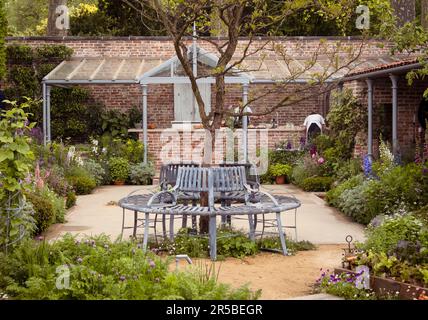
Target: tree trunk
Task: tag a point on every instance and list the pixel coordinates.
(405, 11)
(57, 18)
(424, 14)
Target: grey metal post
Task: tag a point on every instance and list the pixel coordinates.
(245, 123)
(394, 80)
(45, 130)
(48, 113)
(145, 135)
(370, 118)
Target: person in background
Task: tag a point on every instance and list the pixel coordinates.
(314, 125)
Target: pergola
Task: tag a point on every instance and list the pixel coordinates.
(391, 70)
(143, 71)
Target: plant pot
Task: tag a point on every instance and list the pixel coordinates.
(280, 180)
(138, 125)
(151, 126)
(119, 183)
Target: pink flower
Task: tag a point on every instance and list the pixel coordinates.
(321, 160)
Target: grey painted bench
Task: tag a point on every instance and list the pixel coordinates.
(212, 181)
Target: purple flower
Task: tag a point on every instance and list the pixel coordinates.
(367, 166)
(79, 260)
(152, 264)
(289, 146)
(122, 278)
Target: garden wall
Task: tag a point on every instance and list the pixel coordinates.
(180, 145)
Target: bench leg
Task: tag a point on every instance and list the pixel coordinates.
(146, 231)
(134, 233)
(164, 225)
(281, 234)
(252, 225)
(184, 223)
(213, 237)
(171, 227)
(123, 224)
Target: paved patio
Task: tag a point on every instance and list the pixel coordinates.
(316, 221)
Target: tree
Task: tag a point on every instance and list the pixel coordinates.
(53, 28)
(424, 14)
(3, 32)
(243, 17)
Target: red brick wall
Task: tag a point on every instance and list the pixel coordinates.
(163, 46)
(187, 146)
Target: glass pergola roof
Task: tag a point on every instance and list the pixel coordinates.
(101, 70)
(110, 70)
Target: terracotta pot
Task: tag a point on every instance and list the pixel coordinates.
(280, 180)
(119, 183)
(151, 126)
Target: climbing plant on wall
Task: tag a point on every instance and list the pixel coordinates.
(3, 30)
(74, 115)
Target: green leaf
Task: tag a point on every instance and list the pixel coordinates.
(6, 155)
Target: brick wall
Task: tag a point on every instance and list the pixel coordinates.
(179, 145)
(163, 46)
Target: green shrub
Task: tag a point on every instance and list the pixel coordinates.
(58, 203)
(317, 184)
(333, 196)
(348, 169)
(278, 170)
(119, 169)
(96, 170)
(306, 168)
(353, 202)
(134, 151)
(323, 142)
(100, 269)
(386, 232)
(70, 200)
(81, 180)
(142, 174)
(82, 185)
(44, 214)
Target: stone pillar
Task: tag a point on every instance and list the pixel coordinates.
(405, 10)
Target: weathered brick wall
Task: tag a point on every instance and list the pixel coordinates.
(409, 98)
(161, 102)
(179, 145)
(163, 46)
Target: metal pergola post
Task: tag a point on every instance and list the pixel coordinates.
(45, 129)
(145, 134)
(245, 122)
(370, 118)
(394, 80)
(48, 113)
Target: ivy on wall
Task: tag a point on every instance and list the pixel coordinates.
(3, 31)
(74, 114)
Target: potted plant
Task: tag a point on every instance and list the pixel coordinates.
(119, 170)
(280, 172)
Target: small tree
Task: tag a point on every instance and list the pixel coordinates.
(248, 18)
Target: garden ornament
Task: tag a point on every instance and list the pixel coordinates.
(349, 255)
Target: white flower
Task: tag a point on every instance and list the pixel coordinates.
(104, 150)
(79, 161)
(95, 142)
